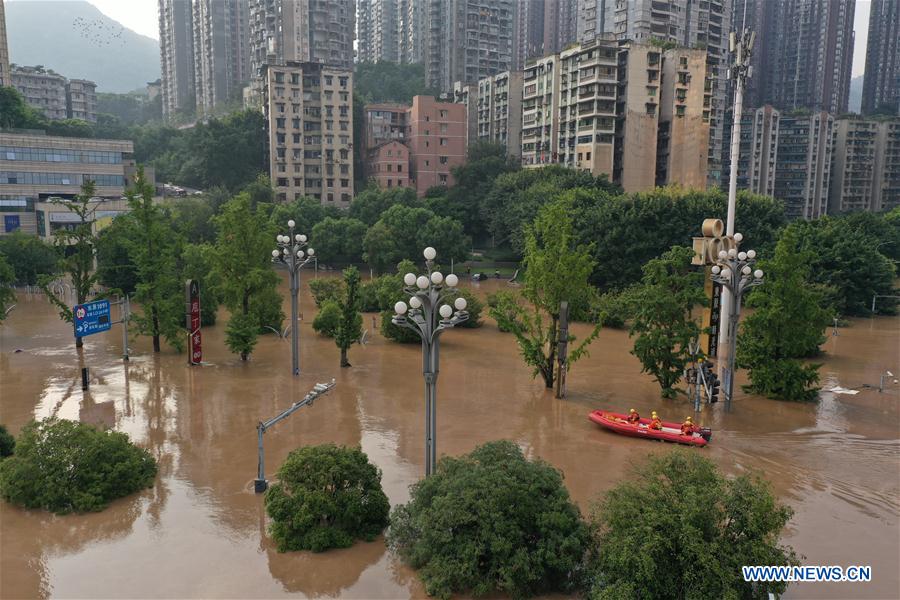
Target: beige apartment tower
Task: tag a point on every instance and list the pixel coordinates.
(176, 50)
(587, 105)
(639, 84)
(682, 144)
(309, 111)
(499, 111)
(540, 111)
(865, 173)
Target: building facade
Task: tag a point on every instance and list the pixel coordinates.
(467, 95)
(4, 50)
(378, 30)
(637, 116)
(467, 40)
(758, 150)
(388, 165)
(498, 111)
(540, 111)
(35, 169)
(319, 31)
(309, 109)
(176, 51)
(43, 89)
(412, 30)
(803, 163)
(385, 122)
(221, 52)
(865, 174)
(810, 55)
(436, 140)
(560, 24)
(588, 81)
(81, 100)
(881, 86)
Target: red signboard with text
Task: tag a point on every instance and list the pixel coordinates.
(195, 346)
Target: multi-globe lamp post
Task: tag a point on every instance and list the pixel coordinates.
(429, 313)
(293, 252)
(734, 271)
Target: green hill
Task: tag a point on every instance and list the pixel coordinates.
(78, 41)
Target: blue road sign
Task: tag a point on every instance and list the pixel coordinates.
(91, 318)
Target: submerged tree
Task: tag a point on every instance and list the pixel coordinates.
(557, 270)
(669, 291)
(349, 327)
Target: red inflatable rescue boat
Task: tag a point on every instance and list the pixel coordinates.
(671, 432)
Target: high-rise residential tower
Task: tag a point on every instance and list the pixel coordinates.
(757, 159)
(4, 49)
(176, 51)
(810, 54)
(378, 30)
(803, 164)
(320, 31)
(881, 85)
(221, 51)
(865, 174)
(688, 23)
(543, 27)
(412, 30)
(467, 40)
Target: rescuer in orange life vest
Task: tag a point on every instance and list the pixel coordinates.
(687, 428)
(655, 421)
(633, 417)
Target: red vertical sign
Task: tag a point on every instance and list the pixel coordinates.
(192, 297)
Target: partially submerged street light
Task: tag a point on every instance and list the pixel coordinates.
(429, 314)
(293, 255)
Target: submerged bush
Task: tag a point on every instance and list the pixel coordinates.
(66, 466)
(7, 443)
(491, 521)
(326, 497)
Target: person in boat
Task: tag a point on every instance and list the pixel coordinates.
(687, 428)
(655, 421)
(633, 417)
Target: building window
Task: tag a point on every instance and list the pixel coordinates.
(443, 178)
(443, 128)
(345, 182)
(329, 183)
(295, 78)
(282, 182)
(399, 168)
(389, 183)
(443, 160)
(443, 114)
(296, 138)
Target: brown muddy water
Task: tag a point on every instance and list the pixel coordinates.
(200, 530)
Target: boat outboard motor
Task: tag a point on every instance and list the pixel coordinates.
(706, 433)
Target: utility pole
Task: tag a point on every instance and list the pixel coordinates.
(742, 49)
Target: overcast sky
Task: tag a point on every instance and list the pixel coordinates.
(141, 16)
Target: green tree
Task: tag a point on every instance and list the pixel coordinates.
(242, 265)
(340, 241)
(115, 269)
(326, 289)
(198, 262)
(328, 319)
(683, 530)
(7, 443)
(349, 327)
(491, 521)
(193, 219)
(669, 291)
(403, 232)
(326, 497)
(305, 211)
(372, 202)
(79, 244)
(154, 248)
(66, 466)
(29, 257)
(787, 323)
(556, 270)
(7, 293)
(15, 113)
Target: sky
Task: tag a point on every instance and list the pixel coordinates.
(141, 16)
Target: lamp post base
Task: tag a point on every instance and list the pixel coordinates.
(260, 485)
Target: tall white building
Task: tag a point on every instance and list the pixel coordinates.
(221, 52)
(176, 52)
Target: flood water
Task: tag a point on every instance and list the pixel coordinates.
(200, 530)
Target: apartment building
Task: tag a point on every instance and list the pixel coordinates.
(308, 109)
(283, 31)
(43, 89)
(388, 164)
(467, 95)
(540, 111)
(683, 140)
(221, 52)
(587, 105)
(758, 150)
(4, 50)
(881, 85)
(498, 111)
(865, 174)
(36, 168)
(176, 51)
(467, 40)
(560, 24)
(81, 100)
(437, 141)
(385, 122)
(803, 163)
(637, 116)
(378, 30)
(412, 34)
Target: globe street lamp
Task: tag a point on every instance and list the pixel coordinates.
(734, 271)
(429, 313)
(291, 253)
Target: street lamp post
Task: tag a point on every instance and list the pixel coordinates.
(734, 271)
(429, 314)
(291, 253)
